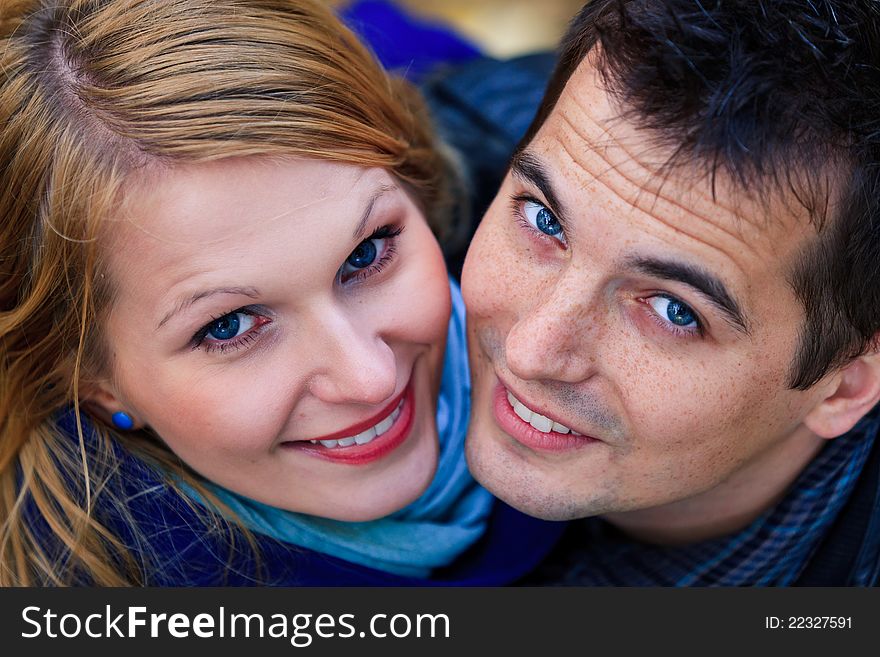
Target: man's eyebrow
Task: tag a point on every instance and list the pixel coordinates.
(361, 227)
(186, 302)
(709, 285)
(530, 169)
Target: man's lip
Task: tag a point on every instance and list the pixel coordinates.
(355, 429)
(537, 409)
(527, 435)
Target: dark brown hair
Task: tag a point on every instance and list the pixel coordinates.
(781, 95)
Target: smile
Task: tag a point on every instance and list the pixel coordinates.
(538, 421)
(534, 430)
(368, 440)
(368, 435)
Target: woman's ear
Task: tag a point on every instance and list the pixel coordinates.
(856, 392)
(102, 401)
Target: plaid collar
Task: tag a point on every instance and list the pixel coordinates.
(772, 551)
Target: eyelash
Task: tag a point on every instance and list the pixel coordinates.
(199, 340)
(678, 331)
(516, 205)
(390, 233)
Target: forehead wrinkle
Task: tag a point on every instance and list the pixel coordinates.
(630, 156)
(725, 252)
(645, 186)
(580, 103)
(247, 223)
(136, 189)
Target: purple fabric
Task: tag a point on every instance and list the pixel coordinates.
(406, 44)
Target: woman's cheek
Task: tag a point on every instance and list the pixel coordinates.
(420, 302)
(439, 275)
(217, 414)
(431, 308)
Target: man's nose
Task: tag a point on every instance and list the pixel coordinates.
(552, 339)
(354, 364)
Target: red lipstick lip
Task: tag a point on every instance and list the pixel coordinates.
(365, 424)
(375, 449)
(525, 434)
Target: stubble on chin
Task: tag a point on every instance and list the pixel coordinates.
(524, 487)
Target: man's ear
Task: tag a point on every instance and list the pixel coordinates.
(856, 393)
(102, 401)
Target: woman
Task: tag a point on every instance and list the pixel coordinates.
(217, 244)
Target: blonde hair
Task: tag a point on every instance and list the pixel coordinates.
(93, 92)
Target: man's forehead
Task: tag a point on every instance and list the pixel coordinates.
(593, 150)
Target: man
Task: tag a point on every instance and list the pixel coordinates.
(674, 300)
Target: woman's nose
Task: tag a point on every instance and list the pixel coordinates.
(356, 365)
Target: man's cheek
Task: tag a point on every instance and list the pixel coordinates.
(485, 289)
(484, 254)
(689, 422)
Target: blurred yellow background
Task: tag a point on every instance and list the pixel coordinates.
(502, 28)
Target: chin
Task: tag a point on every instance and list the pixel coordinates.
(393, 493)
(517, 484)
(361, 515)
(382, 508)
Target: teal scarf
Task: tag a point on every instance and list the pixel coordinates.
(432, 531)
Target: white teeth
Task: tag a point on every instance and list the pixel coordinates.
(364, 436)
(541, 423)
(383, 426)
(314, 442)
(524, 413)
(538, 421)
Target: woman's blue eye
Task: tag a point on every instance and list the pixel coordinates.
(674, 311)
(230, 326)
(363, 256)
(371, 255)
(541, 218)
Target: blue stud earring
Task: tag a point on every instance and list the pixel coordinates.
(122, 420)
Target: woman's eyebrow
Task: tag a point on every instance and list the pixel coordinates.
(360, 229)
(186, 302)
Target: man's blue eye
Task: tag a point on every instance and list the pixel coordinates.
(230, 326)
(679, 314)
(363, 256)
(541, 218)
(674, 311)
(547, 222)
